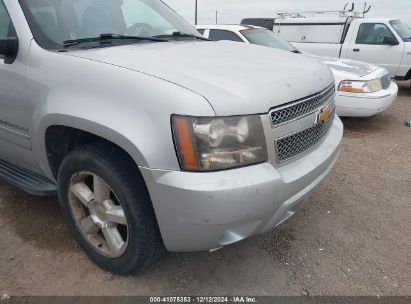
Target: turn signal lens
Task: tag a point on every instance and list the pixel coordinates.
(184, 143)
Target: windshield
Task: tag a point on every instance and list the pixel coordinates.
(54, 21)
(267, 38)
(403, 30)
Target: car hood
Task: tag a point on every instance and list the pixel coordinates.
(235, 78)
(356, 68)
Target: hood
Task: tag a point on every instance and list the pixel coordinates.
(235, 78)
(356, 68)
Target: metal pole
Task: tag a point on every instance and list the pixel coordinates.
(196, 13)
(216, 17)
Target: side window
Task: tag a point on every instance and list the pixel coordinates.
(201, 31)
(218, 35)
(373, 33)
(6, 26)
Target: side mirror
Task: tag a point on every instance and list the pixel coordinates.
(389, 40)
(9, 48)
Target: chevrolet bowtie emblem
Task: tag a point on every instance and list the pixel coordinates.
(324, 114)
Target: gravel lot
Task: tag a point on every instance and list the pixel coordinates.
(352, 237)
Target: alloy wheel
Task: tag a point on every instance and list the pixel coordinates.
(98, 214)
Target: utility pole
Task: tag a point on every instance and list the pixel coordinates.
(196, 13)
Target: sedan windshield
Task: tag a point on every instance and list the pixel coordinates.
(58, 23)
(267, 38)
(403, 30)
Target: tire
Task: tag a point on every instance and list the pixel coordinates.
(140, 243)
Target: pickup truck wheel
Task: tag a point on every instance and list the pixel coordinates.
(108, 209)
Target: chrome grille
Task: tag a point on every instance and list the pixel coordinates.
(301, 107)
(385, 81)
(295, 144)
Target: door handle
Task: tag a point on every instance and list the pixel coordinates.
(356, 50)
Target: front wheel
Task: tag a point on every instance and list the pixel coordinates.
(107, 208)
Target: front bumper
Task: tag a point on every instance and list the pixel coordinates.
(206, 211)
(365, 105)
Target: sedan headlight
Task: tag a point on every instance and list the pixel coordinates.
(360, 86)
(217, 143)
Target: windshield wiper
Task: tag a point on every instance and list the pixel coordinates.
(182, 35)
(117, 36)
(295, 51)
(108, 37)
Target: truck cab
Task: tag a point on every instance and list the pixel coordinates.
(372, 39)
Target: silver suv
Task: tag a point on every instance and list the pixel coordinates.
(151, 135)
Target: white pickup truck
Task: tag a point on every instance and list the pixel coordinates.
(381, 41)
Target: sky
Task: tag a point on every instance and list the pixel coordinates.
(232, 11)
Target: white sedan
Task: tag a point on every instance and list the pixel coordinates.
(363, 89)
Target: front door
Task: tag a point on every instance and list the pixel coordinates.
(15, 117)
(371, 45)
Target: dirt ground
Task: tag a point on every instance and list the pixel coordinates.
(352, 238)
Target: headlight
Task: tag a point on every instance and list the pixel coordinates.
(360, 86)
(217, 143)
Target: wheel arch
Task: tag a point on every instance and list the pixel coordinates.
(60, 134)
